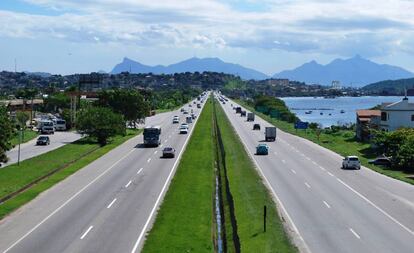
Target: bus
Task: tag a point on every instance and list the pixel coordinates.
(152, 136)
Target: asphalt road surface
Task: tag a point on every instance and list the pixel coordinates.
(326, 208)
(29, 149)
(108, 206)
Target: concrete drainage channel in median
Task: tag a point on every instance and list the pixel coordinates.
(226, 239)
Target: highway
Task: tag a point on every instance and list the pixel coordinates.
(108, 206)
(29, 149)
(328, 209)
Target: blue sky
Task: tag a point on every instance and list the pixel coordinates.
(79, 36)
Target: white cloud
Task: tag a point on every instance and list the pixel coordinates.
(341, 27)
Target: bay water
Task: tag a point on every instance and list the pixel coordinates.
(327, 111)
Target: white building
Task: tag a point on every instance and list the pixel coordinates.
(397, 115)
(336, 85)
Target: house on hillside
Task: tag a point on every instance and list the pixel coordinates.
(365, 121)
(397, 115)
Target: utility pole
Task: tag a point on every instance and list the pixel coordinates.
(15, 65)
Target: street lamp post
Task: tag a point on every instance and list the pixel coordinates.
(20, 141)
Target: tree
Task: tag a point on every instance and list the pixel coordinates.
(6, 133)
(25, 94)
(22, 118)
(100, 123)
(405, 155)
(130, 103)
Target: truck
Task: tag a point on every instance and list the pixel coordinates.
(152, 136)
(250, 116)
(238, 109)
(60, 125)
(270, 133)
(243, 114)
(46, 127)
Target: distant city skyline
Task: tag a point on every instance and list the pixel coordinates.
(72, 36)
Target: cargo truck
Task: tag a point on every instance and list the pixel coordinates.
(270, 133)
(238, 109)
(152, 136)
(243, 114)
(250, 116)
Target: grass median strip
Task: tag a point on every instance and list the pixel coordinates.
(70, 158)
(249, 196)
(184, 222)
(342, 142)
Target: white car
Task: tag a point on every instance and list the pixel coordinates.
(176, 120)
(351, 162)
(184, 125)
(183, 130)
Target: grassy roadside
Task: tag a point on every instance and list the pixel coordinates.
(27, 136)
(342, 142)
(249, 196)
(72, 157)
(184, 221)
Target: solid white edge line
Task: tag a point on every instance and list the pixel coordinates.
(86, 232)
(376, 207)
(279, 202)
(355, 234)
(67, 201)
(126, 186)
(326, 204)
(330, 174)
(157, 202)
(110, 204)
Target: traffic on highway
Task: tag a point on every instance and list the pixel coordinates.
(109, 205)
(328, 205)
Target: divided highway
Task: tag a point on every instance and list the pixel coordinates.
(106, 207)
(329, 209)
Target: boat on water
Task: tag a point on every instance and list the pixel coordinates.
(308, 112)
(321, 113)
(342, 111)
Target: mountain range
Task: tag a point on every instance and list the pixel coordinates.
(191, 65)
(355, 71)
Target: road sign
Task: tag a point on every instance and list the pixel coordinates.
(301, 125)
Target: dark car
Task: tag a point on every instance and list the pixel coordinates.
(256, 127)
(168, 152)
(383, 161)
(43, 140)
